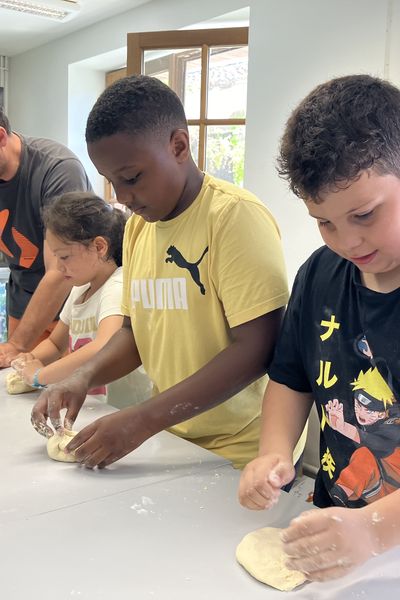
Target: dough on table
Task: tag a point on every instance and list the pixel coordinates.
(56, 445)
(261, 554)
(16, 385)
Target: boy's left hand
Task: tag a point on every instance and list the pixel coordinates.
(328, 543)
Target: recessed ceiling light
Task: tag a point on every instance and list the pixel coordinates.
(58, 10)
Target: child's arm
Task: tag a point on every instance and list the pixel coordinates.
(284, 415)
(117, 358)
(54, 346)
(244, 360)
(44, 353)
(56, 371)
(329, 543)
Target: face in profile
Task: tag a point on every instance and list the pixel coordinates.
(148, 173)
(77, 262)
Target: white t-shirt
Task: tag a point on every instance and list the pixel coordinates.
(83, 320)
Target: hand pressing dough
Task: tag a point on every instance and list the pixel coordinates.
(56, 445)
(261, 554)
(16, 385)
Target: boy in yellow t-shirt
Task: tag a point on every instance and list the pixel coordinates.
(204, 289)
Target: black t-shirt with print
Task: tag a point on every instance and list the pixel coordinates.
(340, 342)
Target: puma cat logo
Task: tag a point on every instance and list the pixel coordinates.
(176, 257)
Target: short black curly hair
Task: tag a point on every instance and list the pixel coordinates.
(343, 127)
(134, 105)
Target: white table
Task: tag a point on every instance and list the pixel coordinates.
(162, 523)
(27, 471)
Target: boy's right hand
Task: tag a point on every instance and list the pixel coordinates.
(70, 393)
(262, 479)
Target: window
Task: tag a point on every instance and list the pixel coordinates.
(207, 68)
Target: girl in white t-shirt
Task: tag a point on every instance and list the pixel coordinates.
(85, 234)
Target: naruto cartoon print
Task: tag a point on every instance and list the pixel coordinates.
(373, 470)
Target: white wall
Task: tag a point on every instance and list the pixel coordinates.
(294, 44)
(39, 78)
(84, 87)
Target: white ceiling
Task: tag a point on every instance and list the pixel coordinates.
(20, 32)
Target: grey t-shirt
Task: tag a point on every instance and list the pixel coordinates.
(47, 169)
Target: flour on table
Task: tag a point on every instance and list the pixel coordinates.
(16, 385)
(261, 554)
(56, 445)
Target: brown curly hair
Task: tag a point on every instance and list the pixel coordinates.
(343, 127)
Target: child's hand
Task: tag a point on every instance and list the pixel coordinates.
(110, 438)
(19, 363)
(328, 543)
(262, 479)
(30, 369)
(70, 393)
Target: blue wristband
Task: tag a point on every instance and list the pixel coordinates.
(35, 380)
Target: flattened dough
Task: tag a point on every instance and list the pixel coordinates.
(16, 385)
(56, 445)
(261, 554)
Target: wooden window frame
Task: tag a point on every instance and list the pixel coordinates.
(138, 43)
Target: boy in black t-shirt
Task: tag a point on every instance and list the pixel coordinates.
(339, 343)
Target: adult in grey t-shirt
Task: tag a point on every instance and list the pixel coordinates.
(32, 172)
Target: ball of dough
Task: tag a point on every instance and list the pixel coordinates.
(16, 385)
(261, 554)
(56, 445)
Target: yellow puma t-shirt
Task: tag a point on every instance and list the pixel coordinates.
(187, 281)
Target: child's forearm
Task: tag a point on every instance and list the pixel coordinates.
(227, 373)
(284, 416)
(47, 352)
(62, 368)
